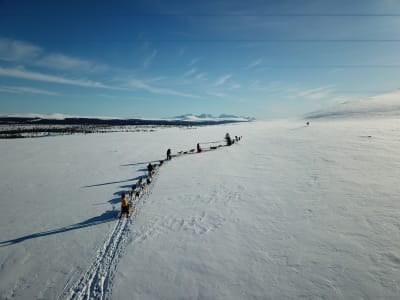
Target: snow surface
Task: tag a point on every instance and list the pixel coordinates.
(291, 211)
(382, 105)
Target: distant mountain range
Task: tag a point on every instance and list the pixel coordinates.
(210, 117)
(187, 119)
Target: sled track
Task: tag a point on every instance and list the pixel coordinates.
(97, 281)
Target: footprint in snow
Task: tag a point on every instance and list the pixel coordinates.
(197, 225)
(394, 259)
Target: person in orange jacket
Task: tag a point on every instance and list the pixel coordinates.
(124, 205)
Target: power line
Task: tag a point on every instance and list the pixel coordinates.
(329, 66)
(362, 92)
(264, 67)
(395, 40)
(208, 14)
(277, 40)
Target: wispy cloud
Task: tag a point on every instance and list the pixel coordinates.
(221, 80)
(193, 61)
(273, 87)
(190, 72)
(156, 79)
(25, 90)
(13, 50)
(315, 93)
(216, 94)
(292, 91)
(36, 76)
(63, 62)
(150, 58)
(201, 76)
(140, 84)
(254, 64)
(27, 53)
(235, 86)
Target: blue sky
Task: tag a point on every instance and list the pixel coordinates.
(267, 59)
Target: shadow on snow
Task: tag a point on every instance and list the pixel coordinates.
(140, 163)
(111, 182)
(127, 180)
(108, 216)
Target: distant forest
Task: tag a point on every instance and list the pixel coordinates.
(15, 127)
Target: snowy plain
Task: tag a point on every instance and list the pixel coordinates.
(291, 211)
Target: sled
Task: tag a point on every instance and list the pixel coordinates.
(131, 209)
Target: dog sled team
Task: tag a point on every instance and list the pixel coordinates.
(127, 206)
(230, 141)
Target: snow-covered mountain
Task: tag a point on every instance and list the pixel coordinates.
(183, 118)
(210, 117)
(380, 105)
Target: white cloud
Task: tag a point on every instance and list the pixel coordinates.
(36, 76)
(27, 53)
(216, 94)
(292, 91)
(254, 64)
(235, 86)
(273, 87)
(140, 84)
(156, 79)
(190, 72)
(13, 50)
(150, 58)
(193, 61)
(314, 94)
(201, 76)
(221, 80)
(25, 90)
(63, 62)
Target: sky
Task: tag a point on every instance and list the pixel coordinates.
(264, 59)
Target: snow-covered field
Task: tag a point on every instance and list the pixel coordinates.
(289, 212)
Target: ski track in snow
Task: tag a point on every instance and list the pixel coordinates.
(97, 281)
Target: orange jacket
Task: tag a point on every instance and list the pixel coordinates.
(124, 201)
